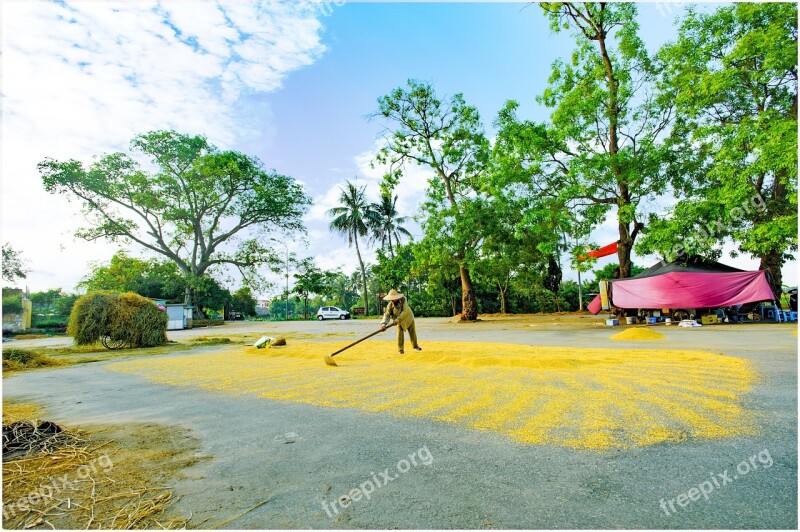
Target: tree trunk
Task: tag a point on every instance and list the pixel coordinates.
(188, 299)
(502, 298)
(625, 244)
(553, 280)
(771, 263)
(469, 307)
(363, 275)
(624, 249)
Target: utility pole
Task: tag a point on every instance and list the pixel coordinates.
(286, 307)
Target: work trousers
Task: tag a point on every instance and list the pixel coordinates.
(412, 334)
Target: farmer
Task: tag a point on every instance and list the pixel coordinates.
(398, 312)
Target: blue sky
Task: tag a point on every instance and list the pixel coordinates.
(288, 82)
(489, 52)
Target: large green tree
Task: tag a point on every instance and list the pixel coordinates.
(154, 279)
(242, 301)
(601, 150)
(446, 137)
(733, 76)
(350, 219)
(338, 290)
(122, 273)
(146, 277)
(394, 271)
(515, 241)
(200, 207)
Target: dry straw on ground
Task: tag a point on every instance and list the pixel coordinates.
(69, 479)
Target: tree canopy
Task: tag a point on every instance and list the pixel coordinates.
(14, 266)
(243, 302)
(201, 207)
(600, 149)
(309, 280)
(385, 223)
(154, 279)
(446, 137)
(733, 76)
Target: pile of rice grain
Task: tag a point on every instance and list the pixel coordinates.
(638, 334)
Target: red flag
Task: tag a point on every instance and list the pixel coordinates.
(604, 251)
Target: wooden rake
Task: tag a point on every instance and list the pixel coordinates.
(329, 358)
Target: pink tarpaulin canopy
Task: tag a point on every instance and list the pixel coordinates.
(691, 290)
(595, 306)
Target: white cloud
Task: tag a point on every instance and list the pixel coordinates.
(411, 190)
(83, 78)
(330, 198)
(331, 251)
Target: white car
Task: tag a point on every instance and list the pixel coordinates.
(332, 313)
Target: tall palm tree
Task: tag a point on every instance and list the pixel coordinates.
(385, 223)
(350, 220)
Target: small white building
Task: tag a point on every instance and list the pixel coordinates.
(179, 316)
(262, 307)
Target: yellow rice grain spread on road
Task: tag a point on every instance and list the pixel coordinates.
(639, 334)
(580, 398)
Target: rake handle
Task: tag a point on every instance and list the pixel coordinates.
(361, 340)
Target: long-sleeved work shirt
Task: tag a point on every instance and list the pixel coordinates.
(401, 313)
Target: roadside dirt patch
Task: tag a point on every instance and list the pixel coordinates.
(92, 477)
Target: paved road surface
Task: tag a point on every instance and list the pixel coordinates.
(475, 479)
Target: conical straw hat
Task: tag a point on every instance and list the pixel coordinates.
(393, 295)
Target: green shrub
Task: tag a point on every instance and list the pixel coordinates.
(117, 320)
(43, 322)
(12, 305)
(206, 323)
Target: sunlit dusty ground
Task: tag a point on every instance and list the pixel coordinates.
(573, 397)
